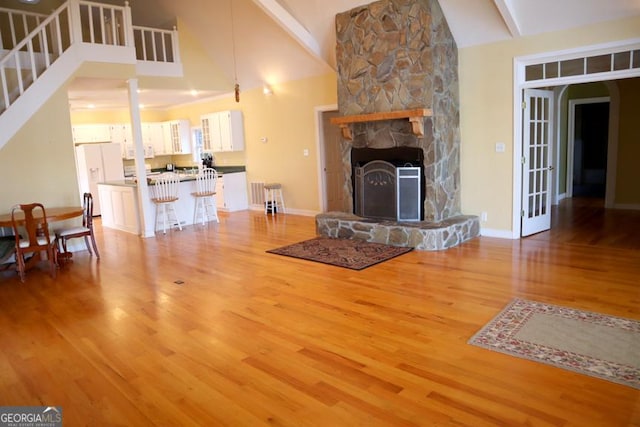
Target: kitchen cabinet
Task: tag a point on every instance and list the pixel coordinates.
(177, 136)
(91, 133)
(119, 207)
(153, 136)
(222, 131)
(122, 134)
(130, 151)
(231, 192)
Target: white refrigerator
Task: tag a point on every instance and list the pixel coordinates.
(98, 163)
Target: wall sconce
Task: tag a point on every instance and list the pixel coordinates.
(266, 89)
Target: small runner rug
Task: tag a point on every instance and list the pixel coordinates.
(593, 344)
(349, 253)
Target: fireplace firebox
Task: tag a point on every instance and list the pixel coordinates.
(388, 183)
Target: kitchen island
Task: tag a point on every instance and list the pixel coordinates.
(121, 207)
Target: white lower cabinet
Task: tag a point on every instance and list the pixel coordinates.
(119, 207)
(231, 192)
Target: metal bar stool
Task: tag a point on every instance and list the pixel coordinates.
(273, 199)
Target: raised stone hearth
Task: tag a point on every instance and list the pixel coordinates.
(423, 235)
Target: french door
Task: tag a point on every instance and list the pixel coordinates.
(536, 161)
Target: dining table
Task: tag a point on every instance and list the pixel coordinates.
(53, 214)
(59, 213)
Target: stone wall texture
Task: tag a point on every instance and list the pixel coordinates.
(398, 55)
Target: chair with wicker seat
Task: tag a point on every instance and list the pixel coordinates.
(31, 232)
(85, 230)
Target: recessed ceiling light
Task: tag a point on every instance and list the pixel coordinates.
(194, 92)
(29, 1)
(91, 106)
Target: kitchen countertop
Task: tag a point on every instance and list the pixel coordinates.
(132, 182)
(220, 169)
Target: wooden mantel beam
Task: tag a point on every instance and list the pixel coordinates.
(415, 117)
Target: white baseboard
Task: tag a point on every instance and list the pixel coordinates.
(501, 234)
(302, 212)
(629, 206)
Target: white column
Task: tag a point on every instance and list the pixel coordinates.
(145, 215)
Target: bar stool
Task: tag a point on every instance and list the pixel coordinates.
(273, 200)
(165, 195)
(205, 196)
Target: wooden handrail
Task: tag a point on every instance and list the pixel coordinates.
(415, 117)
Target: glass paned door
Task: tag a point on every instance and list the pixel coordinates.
(537, 169)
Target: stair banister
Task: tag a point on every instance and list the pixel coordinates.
(15, 54)
(58, 44)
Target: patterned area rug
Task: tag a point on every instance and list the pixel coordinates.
(589, 343)
(349, 253)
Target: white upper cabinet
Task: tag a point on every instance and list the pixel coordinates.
(153, 136)
(91, 133)
(177, 135)
(158, 138)
(223, 131)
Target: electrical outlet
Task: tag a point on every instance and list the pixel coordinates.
(483, 217)
(305, 152)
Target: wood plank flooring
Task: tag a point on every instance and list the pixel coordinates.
(202, 327)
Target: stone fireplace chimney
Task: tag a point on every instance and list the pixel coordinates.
(398, 56)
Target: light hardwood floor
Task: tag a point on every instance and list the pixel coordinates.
(202, 327)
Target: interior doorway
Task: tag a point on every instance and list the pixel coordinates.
(331, 175)
(552, 70)
(588, 147)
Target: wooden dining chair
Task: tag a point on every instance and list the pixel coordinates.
(85, 230)
(31, 232)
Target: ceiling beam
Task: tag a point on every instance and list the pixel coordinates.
(291, 25)
(508, 15)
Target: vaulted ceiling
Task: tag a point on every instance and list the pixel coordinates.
(271, 41)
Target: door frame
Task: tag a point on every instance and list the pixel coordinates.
(520, 83)
(322, 193)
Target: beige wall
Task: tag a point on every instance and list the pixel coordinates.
(628, 172)
(38, 163)
(287, 120)
(486, 99)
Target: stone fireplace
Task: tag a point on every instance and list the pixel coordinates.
(397, 66)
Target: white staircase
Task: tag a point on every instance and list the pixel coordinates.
(38, 54)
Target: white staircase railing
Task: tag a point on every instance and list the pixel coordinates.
(15, 25)
(30, 57)
(96, 31)
(156, 45)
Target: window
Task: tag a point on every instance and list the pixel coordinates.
(196, 140)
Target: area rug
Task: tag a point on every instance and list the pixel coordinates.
(349, 253)
(593, 344)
